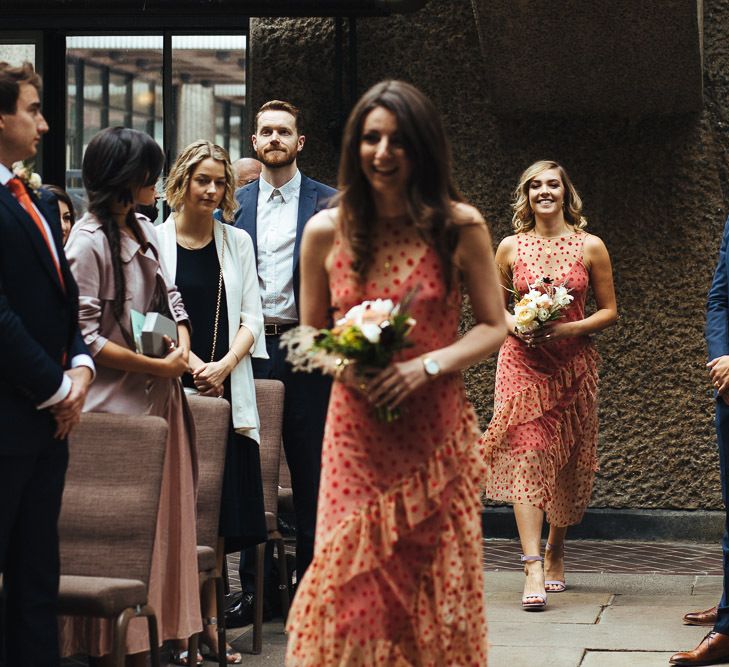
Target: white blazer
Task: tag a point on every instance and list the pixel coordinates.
(243, 297)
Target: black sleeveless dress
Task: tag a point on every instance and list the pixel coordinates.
(242, 518)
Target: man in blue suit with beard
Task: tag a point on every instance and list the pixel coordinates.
(274, 210)
(714, 647)
(45, 370)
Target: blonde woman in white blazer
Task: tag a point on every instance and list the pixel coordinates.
(214, 267)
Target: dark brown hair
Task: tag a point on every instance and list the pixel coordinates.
(117, 162)
(61, 195)
(280, 105)
(430, 189)
(10, 80)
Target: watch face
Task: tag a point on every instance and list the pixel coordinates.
(431, 366)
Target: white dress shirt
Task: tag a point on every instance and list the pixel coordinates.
(276, 219)
(79, 359)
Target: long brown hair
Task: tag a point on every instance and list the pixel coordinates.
(430, 190)
(118, 161)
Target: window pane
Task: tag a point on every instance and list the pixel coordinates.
(117, 90)
(92, 83)
(110, 63)
(16, 54)
(208, 73)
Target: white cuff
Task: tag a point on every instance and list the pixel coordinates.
(84, 360)
(61, 393)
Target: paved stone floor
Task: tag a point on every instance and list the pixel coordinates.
(623, 607)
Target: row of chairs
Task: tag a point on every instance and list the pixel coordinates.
(109, 513)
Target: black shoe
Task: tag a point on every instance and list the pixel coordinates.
(232, 600)
(240, 614)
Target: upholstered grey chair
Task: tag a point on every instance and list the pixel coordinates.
(270, 398)
(108, 521)
(212, 420)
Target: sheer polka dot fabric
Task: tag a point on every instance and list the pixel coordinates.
(540, 448)
(396, 578)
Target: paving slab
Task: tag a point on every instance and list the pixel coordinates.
(522, 656)
(561, 608)
(695, 602)
(625, 659)
(647, 615)
(708, 584)
(274, 645)
(646, 584)
(602, 636)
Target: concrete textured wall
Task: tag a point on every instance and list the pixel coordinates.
(655, 190)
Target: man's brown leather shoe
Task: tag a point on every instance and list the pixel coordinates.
(713, 649)
(707, 617)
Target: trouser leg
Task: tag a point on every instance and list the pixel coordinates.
(31, 568)
(722, 439)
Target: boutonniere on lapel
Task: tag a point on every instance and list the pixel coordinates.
(26, 174)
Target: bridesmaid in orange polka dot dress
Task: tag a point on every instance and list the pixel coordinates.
(396, 578)
(541, 445)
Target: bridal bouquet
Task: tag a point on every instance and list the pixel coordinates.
(369, 335)
(544, 302)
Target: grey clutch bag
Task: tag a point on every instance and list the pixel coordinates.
(148, 333)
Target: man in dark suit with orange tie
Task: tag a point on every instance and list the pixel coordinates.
(45, 371)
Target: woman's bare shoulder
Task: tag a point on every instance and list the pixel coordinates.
(321, 230)
(465, 214)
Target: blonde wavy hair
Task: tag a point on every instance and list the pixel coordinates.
(179, 176)
(523, 219)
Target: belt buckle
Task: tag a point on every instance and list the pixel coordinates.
(276, 328)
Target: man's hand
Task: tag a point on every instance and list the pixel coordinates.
(67, 413)
(719, 373)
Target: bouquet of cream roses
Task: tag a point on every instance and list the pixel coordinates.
(544, 302)
(369, 335)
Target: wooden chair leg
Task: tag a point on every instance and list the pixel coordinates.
(220, 610)
(153, 635)
(226, 579)
(283, 582)
(258, 602)
(119, 643)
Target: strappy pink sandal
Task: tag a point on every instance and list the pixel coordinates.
(533, 601)
(555, 585)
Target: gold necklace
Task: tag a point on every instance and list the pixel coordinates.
(187, 245)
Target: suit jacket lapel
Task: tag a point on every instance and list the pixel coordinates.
(249, 210)
(26, 222)
(307, 205)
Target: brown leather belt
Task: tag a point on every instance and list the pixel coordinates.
(277, 329)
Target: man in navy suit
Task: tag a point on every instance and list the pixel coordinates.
(274, 210)
(45, 370)
(714, 647)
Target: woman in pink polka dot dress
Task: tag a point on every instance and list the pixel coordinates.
(396, 578)
(541, 445)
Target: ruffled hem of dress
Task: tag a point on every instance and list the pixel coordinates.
(317, 635)
(575, 384)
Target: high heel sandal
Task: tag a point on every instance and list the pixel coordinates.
(232, 657)
(182, 657)
(557, 585)
(540, 602)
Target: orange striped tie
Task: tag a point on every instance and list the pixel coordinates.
(16, 187)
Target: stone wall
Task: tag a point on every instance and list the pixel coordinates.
(655, 190)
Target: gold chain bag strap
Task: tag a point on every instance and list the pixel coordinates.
(220, 295)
